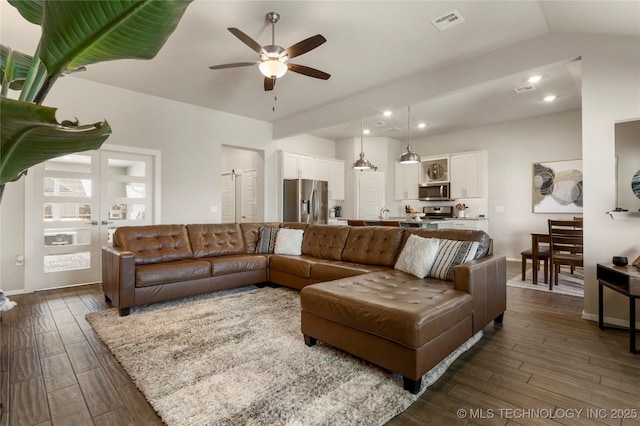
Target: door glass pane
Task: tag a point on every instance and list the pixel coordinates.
(67, 262)
(126, 167)
(67, 236)
(126, 189)
(79, 163)
(127, 212)
(67, 187)
(67, 211)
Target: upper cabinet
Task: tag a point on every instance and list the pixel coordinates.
(303, 166)
(434, 169)
(407, 181)
(297, 166)
(469, 175)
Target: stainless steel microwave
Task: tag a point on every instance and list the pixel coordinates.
(434, 191)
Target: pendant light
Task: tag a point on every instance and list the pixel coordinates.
(409, 157)
(361, 163)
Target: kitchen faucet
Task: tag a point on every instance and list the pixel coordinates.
(383, 212)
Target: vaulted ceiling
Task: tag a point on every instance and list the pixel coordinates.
(370, 45)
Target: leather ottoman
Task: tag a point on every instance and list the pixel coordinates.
(390, 318)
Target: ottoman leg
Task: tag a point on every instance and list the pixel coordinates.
(499, 318)
(123, 312)
(310, 341)
(411, 385)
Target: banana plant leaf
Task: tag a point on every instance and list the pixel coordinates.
(31, 10)
(30, 135)
(14, 67)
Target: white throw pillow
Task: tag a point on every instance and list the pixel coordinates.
(289, 241)
(418, 255)
(452, 253)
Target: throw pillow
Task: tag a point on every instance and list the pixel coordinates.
(418, 255)
(289, 241)
(452, 253)
(267, 239)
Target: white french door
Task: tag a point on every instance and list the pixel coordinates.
(370, 194)
(239, 196)
(75, 203)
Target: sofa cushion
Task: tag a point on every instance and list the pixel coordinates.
(171, 272)
(216, 239)
(324, 241)
(417, 256)
(295, 265)
(334, 270)
(267, 240)
(236, 263)
(289, 242)
(154, 243)
(373, 245)
(390, 304)
(452, 253)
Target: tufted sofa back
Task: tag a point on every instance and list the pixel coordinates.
(324, 241)
(216, 239)
(154, 243)
(373, 245)
(251, 233)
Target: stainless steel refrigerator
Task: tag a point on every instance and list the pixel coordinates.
(305, 201)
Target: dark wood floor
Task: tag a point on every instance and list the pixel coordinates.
(544, 360)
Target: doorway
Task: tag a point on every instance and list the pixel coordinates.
(239, 196)
(74, 204)
(370, 194)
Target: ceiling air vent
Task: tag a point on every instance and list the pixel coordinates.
(448, 20)
(378, 123)
(524, 89)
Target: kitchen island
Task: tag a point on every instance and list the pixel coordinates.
(407, 223)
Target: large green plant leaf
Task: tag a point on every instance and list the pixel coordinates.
(78, 33)
(14, 67)
(31, 10)
(30, 135)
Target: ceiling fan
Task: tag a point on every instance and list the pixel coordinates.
(274, 59)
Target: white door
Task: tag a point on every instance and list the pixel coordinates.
(249, 196)
(228, 197)
(370, 194)
(74, 204)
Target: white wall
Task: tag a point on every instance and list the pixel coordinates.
(512, 148)
(189, 137)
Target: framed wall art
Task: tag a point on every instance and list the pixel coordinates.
(557, 187)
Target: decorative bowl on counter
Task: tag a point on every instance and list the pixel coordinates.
(417, 216)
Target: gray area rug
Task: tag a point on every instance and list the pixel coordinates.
(238, 357)
(572, 285)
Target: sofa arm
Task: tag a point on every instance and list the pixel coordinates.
(119, 278)
(485, 280)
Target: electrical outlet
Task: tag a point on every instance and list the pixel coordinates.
(19, 260)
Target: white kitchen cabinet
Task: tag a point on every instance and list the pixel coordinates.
(407, 181)
(296, 166)
(469, 175)
(472, 224)
(322, 170)
(336, 180)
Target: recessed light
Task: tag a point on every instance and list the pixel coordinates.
(386, 113)
(422, 125)
(534, 78)
(549, 98)
(366, 131)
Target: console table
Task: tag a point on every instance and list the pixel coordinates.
(624, 280)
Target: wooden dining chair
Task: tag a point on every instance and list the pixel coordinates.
(353, 222)
(389, 223)
(566, 246)
(539, 252)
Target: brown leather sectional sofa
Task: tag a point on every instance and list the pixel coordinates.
(358, 302)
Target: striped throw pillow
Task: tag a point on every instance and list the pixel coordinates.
(267, 240)
(452, 253)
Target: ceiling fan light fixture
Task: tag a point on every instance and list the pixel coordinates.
(273, 68)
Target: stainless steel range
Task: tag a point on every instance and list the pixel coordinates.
(437, 212)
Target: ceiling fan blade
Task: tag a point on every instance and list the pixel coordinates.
(234, 65)
(269, 83)
(304, 46)
(308, 71)
(246, 40)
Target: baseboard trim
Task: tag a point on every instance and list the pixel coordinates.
(609, 320)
